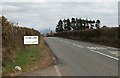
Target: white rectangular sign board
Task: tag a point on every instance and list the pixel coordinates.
(30, 39)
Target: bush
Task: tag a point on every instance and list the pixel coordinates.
(107, 36)
(12, 38)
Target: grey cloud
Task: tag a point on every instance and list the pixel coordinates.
(46, 15)
(60, 0)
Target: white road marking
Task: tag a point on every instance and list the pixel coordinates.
(79, 46)
(103, 48)
(112, 48)
(96, 48)
(74, 44)
(105, 54)
(91, 47)
(71, 43)
(114, 52)
(67, 42)
(57, 70)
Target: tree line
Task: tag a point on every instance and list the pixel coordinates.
(77, 24)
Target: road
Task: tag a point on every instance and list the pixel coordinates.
(78, 58)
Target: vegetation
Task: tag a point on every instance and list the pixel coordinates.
(88, 30)
(12, 39)
(15, 53)
(23, 57)
(76, 24)
(29, 59)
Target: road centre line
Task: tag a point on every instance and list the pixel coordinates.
(105, 54)
(79, 46)
(71, 43)
(113, 48)
(102, 48)
(91, 49)
(67, 42)
(74, 44)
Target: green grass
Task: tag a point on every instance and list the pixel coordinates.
(23, 58)
(30, 59)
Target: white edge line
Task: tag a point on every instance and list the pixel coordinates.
(105, 54)
(57, 70)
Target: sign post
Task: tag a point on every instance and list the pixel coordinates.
(31, 40)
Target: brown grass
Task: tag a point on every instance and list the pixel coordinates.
(107, 36)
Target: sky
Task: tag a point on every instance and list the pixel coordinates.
(44, 14)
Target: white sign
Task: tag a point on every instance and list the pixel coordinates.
(30, 39)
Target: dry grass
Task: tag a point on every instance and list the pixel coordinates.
(107, 36)
(14, 52)
(37, 60)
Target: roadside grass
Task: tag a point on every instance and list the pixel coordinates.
(29, 59)
(23, 58)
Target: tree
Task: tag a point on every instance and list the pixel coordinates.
(65, 24)
(59, 27)
(83, 23)
(97, 24)
(80, 24)
(73, 23)
(91, 24)
(104, 26)
(77, 24)
(68, 25)
(86, 24)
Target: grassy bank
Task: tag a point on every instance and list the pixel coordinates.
(15, 53)
(30, 58)
(13, 38)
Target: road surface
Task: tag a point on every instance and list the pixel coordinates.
(77, 58)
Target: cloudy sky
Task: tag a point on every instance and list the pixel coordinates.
(44, 14)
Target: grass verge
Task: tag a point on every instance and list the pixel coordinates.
(29, 59)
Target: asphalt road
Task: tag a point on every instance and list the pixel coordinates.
(76, 58)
